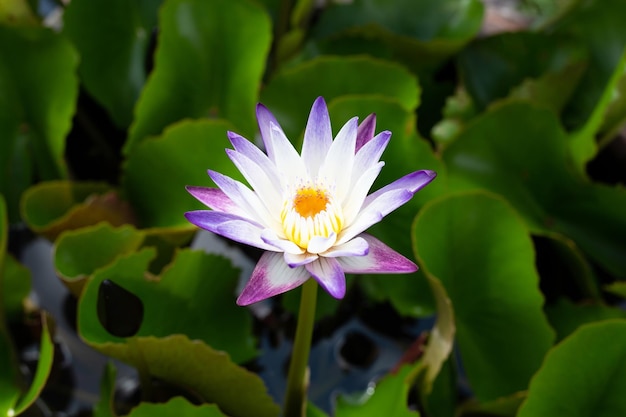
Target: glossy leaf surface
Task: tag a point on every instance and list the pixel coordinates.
(209, 62)
(474, 243)
(587, 368)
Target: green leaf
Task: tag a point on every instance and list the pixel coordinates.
(44, 366)
(176, 407)
(209, 62)
(440, 339)
(418, 34)
(35, 113)
(4, 233)
(481, 251)
(617, 288)
(587, 368)
(194, 296)
(15, 285)
(290, 94)
(51, 207)
(105, 405)
(597, 25)
(535, 66)
(389, 398)
(208, 373)
(79, 253)
(184, 153)
(521, 152)
(112, 38)
(564, 269)
(583, 141)
(9, 390)
(566, 316)
(615, 115)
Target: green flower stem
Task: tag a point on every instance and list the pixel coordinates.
(297, 379)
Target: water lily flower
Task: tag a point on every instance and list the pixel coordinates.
(307, 211)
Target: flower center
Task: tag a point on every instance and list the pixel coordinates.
(310, 211)
(310, 201)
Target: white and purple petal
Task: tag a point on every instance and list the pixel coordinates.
(370, 154)
(329, 274)
(215, 199)
(412, 182)
(294, 260)
(380, 259)
(382, 202)
(249, 149)
(318, 137)
(366, 131)
(230, 226)
(266, 119)
(244, 198)
(271, 276)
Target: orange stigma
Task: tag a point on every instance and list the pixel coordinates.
(310, 201)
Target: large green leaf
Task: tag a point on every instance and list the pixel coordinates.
(521, 152)
(596, 24)
(15, 285)
(493, 67)
(158, 170)
(35, 113)
(207, 373)
(176, 407)
(51, 207)
(112, 38)
(78, 253)
(389, 398)
(290, 94)
(481, 251)
(193, 296)
(418, 34)
(44, 366)
(566, 316)
(13, 400)
(582, 376)
(209, 62)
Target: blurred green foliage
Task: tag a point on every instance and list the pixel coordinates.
(521, 239)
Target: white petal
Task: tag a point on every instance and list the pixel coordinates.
(358, 193)
(340, 159)
(355, 247)
(319, 244)
(261, 181)
(288, 162)
(270, 237)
